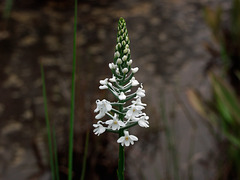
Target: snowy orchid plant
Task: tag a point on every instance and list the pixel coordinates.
(122, 114)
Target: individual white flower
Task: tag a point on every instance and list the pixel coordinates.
(138, 102)
(129, 63)
(134, 70)
(125, 70)
(114, 123)
(99, 129)
(140, 92)
(133, 112)
(113, 79)
(143, 121)
(124, 58)
(134, 81)
(112, 66)
(104, 82)
(102, 107)
(116, 54)
(127, 139)
(122, 96)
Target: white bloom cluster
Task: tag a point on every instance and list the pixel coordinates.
(122, 116)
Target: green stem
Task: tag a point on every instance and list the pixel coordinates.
(121, 159)
(70, 150)
(121, 156)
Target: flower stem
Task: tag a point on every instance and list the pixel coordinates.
(121, 159)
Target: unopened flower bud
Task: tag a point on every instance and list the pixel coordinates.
(119, 45)
(124, 58)
(125, 70)
(119, 61)
(117, 54)
(112, 66)
(129, 62)
(117, 71)
(125, 51)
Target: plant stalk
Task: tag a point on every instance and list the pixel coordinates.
(121, 159)
(121, 156)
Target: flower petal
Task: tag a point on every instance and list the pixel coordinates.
(134, 138)
(121, 139)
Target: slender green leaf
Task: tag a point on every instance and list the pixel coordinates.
(47, 124)
(55, 153)
(85, 156)
(70, 155)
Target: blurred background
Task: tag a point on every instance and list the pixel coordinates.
(188, 52)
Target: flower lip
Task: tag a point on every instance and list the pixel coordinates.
(134, 81)
(103, 87)
(113, 79)
(140, 92)
(104, 82)
(143, 121)
(134, 70)
(99, 129)
(122, 96)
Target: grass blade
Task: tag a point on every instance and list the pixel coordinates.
(47, 123)
(85, 156)
(170, 140)
(70, 155)
(7, 8)
(55, 154)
